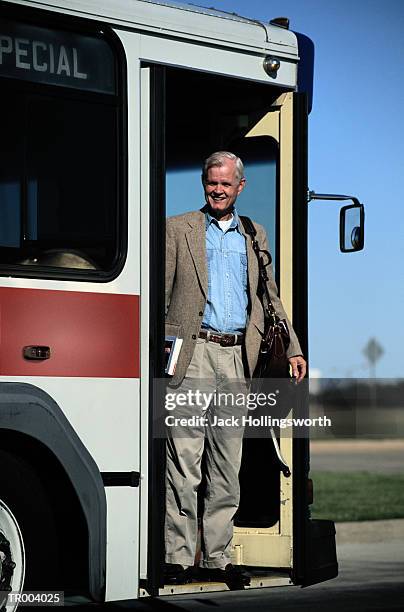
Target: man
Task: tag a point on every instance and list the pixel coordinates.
(212, 303)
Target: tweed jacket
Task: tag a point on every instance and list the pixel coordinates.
(187, 290)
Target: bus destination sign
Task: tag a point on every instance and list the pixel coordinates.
(54, 57)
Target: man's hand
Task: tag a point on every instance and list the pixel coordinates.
(299, 367)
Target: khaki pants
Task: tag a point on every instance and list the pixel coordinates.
(212, 368)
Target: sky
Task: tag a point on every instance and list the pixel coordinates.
(356, 141)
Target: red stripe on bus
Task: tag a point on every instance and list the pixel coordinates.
(89, 334)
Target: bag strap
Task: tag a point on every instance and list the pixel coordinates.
(263, 275)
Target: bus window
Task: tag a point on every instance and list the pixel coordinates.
(198, 125)
(258, 200)
(59, 203)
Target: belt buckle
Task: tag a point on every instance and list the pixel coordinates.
(227, 340)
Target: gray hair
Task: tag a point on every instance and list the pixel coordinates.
(217, 159)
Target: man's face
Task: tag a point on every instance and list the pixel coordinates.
(222, 187)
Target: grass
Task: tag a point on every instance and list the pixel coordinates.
(357, 496)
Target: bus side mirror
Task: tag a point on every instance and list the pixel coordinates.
(352, 228)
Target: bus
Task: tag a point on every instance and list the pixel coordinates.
(107, 109)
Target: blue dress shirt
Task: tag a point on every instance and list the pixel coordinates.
(226, 306)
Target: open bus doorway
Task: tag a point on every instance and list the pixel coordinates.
(205, 113)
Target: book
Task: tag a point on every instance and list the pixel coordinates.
(172, 349)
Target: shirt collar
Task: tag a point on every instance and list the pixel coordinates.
(235, 222)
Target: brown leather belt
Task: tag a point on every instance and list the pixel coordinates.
(222, 339)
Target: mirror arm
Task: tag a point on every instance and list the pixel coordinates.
(312, 195)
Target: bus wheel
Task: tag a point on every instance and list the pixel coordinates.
(12, 558)
(26, 495)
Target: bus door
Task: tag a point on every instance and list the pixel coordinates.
(256, 122)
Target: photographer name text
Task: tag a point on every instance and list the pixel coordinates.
(245, 421)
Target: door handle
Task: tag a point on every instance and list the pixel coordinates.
(36, 352)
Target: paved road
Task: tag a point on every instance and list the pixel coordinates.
(383, 456)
